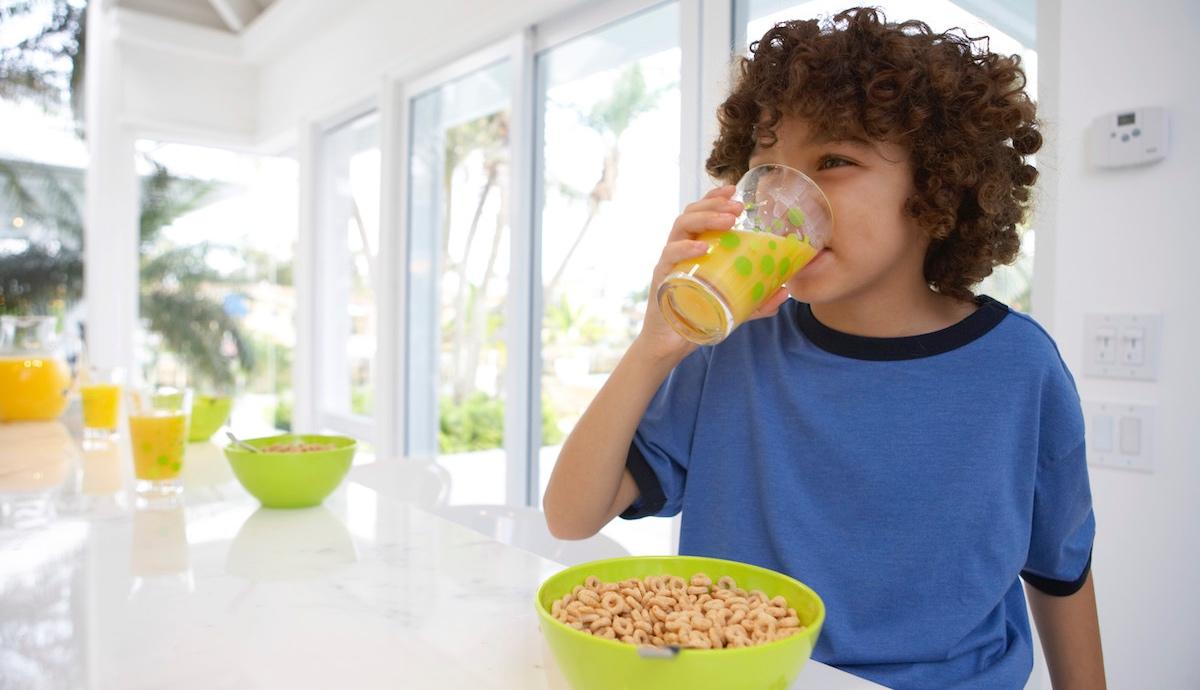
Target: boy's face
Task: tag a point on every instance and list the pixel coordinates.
(874, 246)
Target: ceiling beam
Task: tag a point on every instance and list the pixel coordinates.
(237, 14)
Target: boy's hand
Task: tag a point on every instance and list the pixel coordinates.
(715, 211)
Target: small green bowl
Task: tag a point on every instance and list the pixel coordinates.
(209, 413)
(295, 479)
(593, 663)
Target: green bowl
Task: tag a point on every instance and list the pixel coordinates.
(209, 413)
(296, 479)
(592, 663)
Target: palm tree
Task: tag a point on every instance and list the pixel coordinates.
(610, 118)
(488, 136)
(46, 274)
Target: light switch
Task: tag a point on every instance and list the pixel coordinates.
(1131, 435)
(1102, 433)
(1122, 346)
(1133, 346)
(1120, 435)
(1106, 345)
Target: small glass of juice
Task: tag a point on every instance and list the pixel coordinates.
(785, 223)
(158, 427)
(100, 391)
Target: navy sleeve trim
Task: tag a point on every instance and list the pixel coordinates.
(652, 499)
(1058, 588)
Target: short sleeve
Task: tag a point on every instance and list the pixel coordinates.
(1064, 525)
(662, 445)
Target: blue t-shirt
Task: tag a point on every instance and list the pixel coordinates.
(909, 481)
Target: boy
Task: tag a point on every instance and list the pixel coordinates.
(908, 449)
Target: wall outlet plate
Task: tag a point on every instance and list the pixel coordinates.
(1122, 346)
(1120, 434)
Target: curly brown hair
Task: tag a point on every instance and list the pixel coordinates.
(959, 109)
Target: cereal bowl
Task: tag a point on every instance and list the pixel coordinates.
(209, 413)
(292, 471)
(588, 662)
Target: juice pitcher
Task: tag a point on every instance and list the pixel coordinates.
(34, 380)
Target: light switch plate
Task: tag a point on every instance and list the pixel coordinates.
(1122, 346)
(1120, 434)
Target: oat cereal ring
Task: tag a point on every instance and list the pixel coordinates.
(765, 624)
(716, 637)
(699, 640)
(737, 616)
(622, 626)
(613, 603)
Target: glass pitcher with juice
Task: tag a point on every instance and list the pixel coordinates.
(34, 380)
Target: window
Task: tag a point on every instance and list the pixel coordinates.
(218, 235)
(606, 192)
(347, 247)
(42, 162)
(459, 258)
(609, 191)
(1012, 284)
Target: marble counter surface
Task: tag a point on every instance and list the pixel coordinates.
(213, 591)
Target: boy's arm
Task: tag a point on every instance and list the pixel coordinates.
(1070, 631)
(590, 485)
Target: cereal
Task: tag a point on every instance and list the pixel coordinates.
(296, 447)
(669, 610)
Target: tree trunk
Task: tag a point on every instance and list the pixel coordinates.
(462, 385)
(480, 310)
(603, 191)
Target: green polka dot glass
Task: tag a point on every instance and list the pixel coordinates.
(785, 225)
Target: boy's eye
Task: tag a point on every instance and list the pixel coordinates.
(827, 162)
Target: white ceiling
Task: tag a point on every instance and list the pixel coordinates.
(232, 16)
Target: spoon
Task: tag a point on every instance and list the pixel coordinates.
(241, 444)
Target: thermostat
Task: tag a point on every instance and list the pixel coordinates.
(1128, 137)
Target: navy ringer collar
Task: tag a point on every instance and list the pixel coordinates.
(989, 314)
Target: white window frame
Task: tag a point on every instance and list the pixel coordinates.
(313, 270)
(417, 381)
(706, 40)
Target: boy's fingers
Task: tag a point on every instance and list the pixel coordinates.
(690, 224)
(675, 252)
(714, 204)
(725, 191)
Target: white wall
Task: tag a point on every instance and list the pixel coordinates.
(1128, 241)
(189, 96)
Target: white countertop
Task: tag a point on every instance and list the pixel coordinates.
(367, 591)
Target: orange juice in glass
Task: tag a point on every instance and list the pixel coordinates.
(34, 380)
(158, 422)
(786, 222)
(100, 392)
